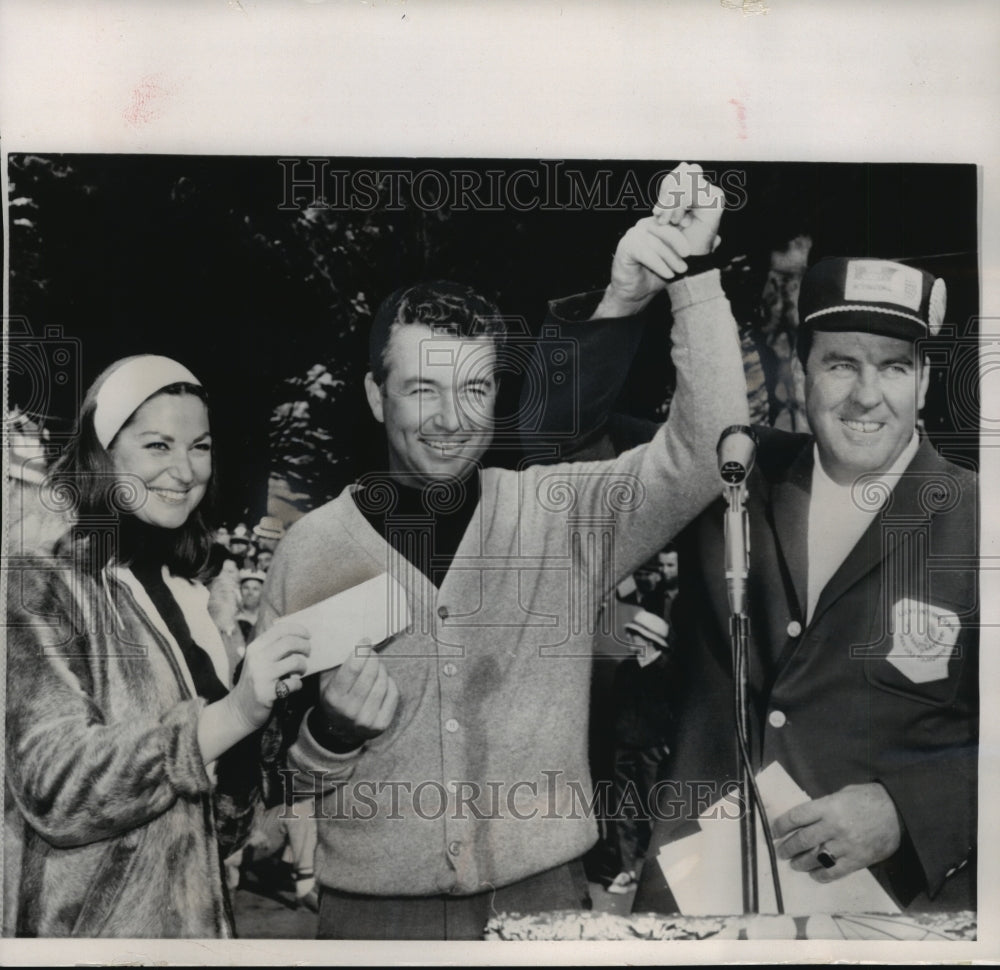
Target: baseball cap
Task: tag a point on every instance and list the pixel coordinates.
(876, 296)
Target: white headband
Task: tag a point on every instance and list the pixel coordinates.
(124, 390)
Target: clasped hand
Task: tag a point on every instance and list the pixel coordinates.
(685, 223)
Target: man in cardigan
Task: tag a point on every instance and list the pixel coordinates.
(451, 767)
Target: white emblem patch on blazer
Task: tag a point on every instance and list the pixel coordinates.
(923, 640)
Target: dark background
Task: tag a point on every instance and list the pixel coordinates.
(196, 258)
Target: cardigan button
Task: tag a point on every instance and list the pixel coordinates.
(454, 847)
(451, 725)
(449, 669)
(794, 628)
(777, 719)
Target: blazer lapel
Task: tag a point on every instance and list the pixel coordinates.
(790, 511)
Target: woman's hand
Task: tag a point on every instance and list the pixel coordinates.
(277, 655)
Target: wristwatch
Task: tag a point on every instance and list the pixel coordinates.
(326, 735)
(701, 282)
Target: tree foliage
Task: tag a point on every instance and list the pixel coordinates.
(198, 258)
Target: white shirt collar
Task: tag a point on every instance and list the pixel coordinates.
(839, 516)
(825, 483)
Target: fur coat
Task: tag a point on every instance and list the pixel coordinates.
(113, 824)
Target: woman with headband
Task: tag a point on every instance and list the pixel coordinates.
(131, 768)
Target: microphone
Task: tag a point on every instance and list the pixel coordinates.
(736, 451)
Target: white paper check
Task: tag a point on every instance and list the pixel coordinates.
(371, 611)
(703, 869)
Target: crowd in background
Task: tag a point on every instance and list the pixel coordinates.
(279, 854)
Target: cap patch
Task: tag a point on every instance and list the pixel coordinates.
(877, 281)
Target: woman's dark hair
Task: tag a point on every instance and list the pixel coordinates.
(84, 481)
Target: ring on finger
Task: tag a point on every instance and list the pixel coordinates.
(281, 689)
(825, 857)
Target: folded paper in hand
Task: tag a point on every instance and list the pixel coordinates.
(370, 612)
(703, 868)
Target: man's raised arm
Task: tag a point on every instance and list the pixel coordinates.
(674, 477)
(671, 249)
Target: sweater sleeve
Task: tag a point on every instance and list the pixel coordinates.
(651, 492)
(315, 768)
(77, 776)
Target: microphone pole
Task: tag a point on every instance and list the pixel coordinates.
(736, 452)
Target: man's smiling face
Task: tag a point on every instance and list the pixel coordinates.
(863, 394)
(437, 402)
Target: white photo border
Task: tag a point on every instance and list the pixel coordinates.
(835, 80)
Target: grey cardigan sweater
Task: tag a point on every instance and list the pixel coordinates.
(482, 777)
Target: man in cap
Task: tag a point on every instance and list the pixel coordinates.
(251, 585)
(241, 546)
(450, 764)
(863, 607)
(641, 700)
(268, 532)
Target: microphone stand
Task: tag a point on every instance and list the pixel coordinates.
(738, 627)
(737, 568)
(736, 450)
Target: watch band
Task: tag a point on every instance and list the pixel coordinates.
(324, 735)
(694, 288)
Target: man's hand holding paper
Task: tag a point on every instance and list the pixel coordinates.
(358, 698)
(857, 826)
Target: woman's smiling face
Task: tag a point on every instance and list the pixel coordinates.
(167, 445)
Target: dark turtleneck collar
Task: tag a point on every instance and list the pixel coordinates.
(403, 514)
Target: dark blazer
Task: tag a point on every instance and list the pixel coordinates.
(832, 700)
